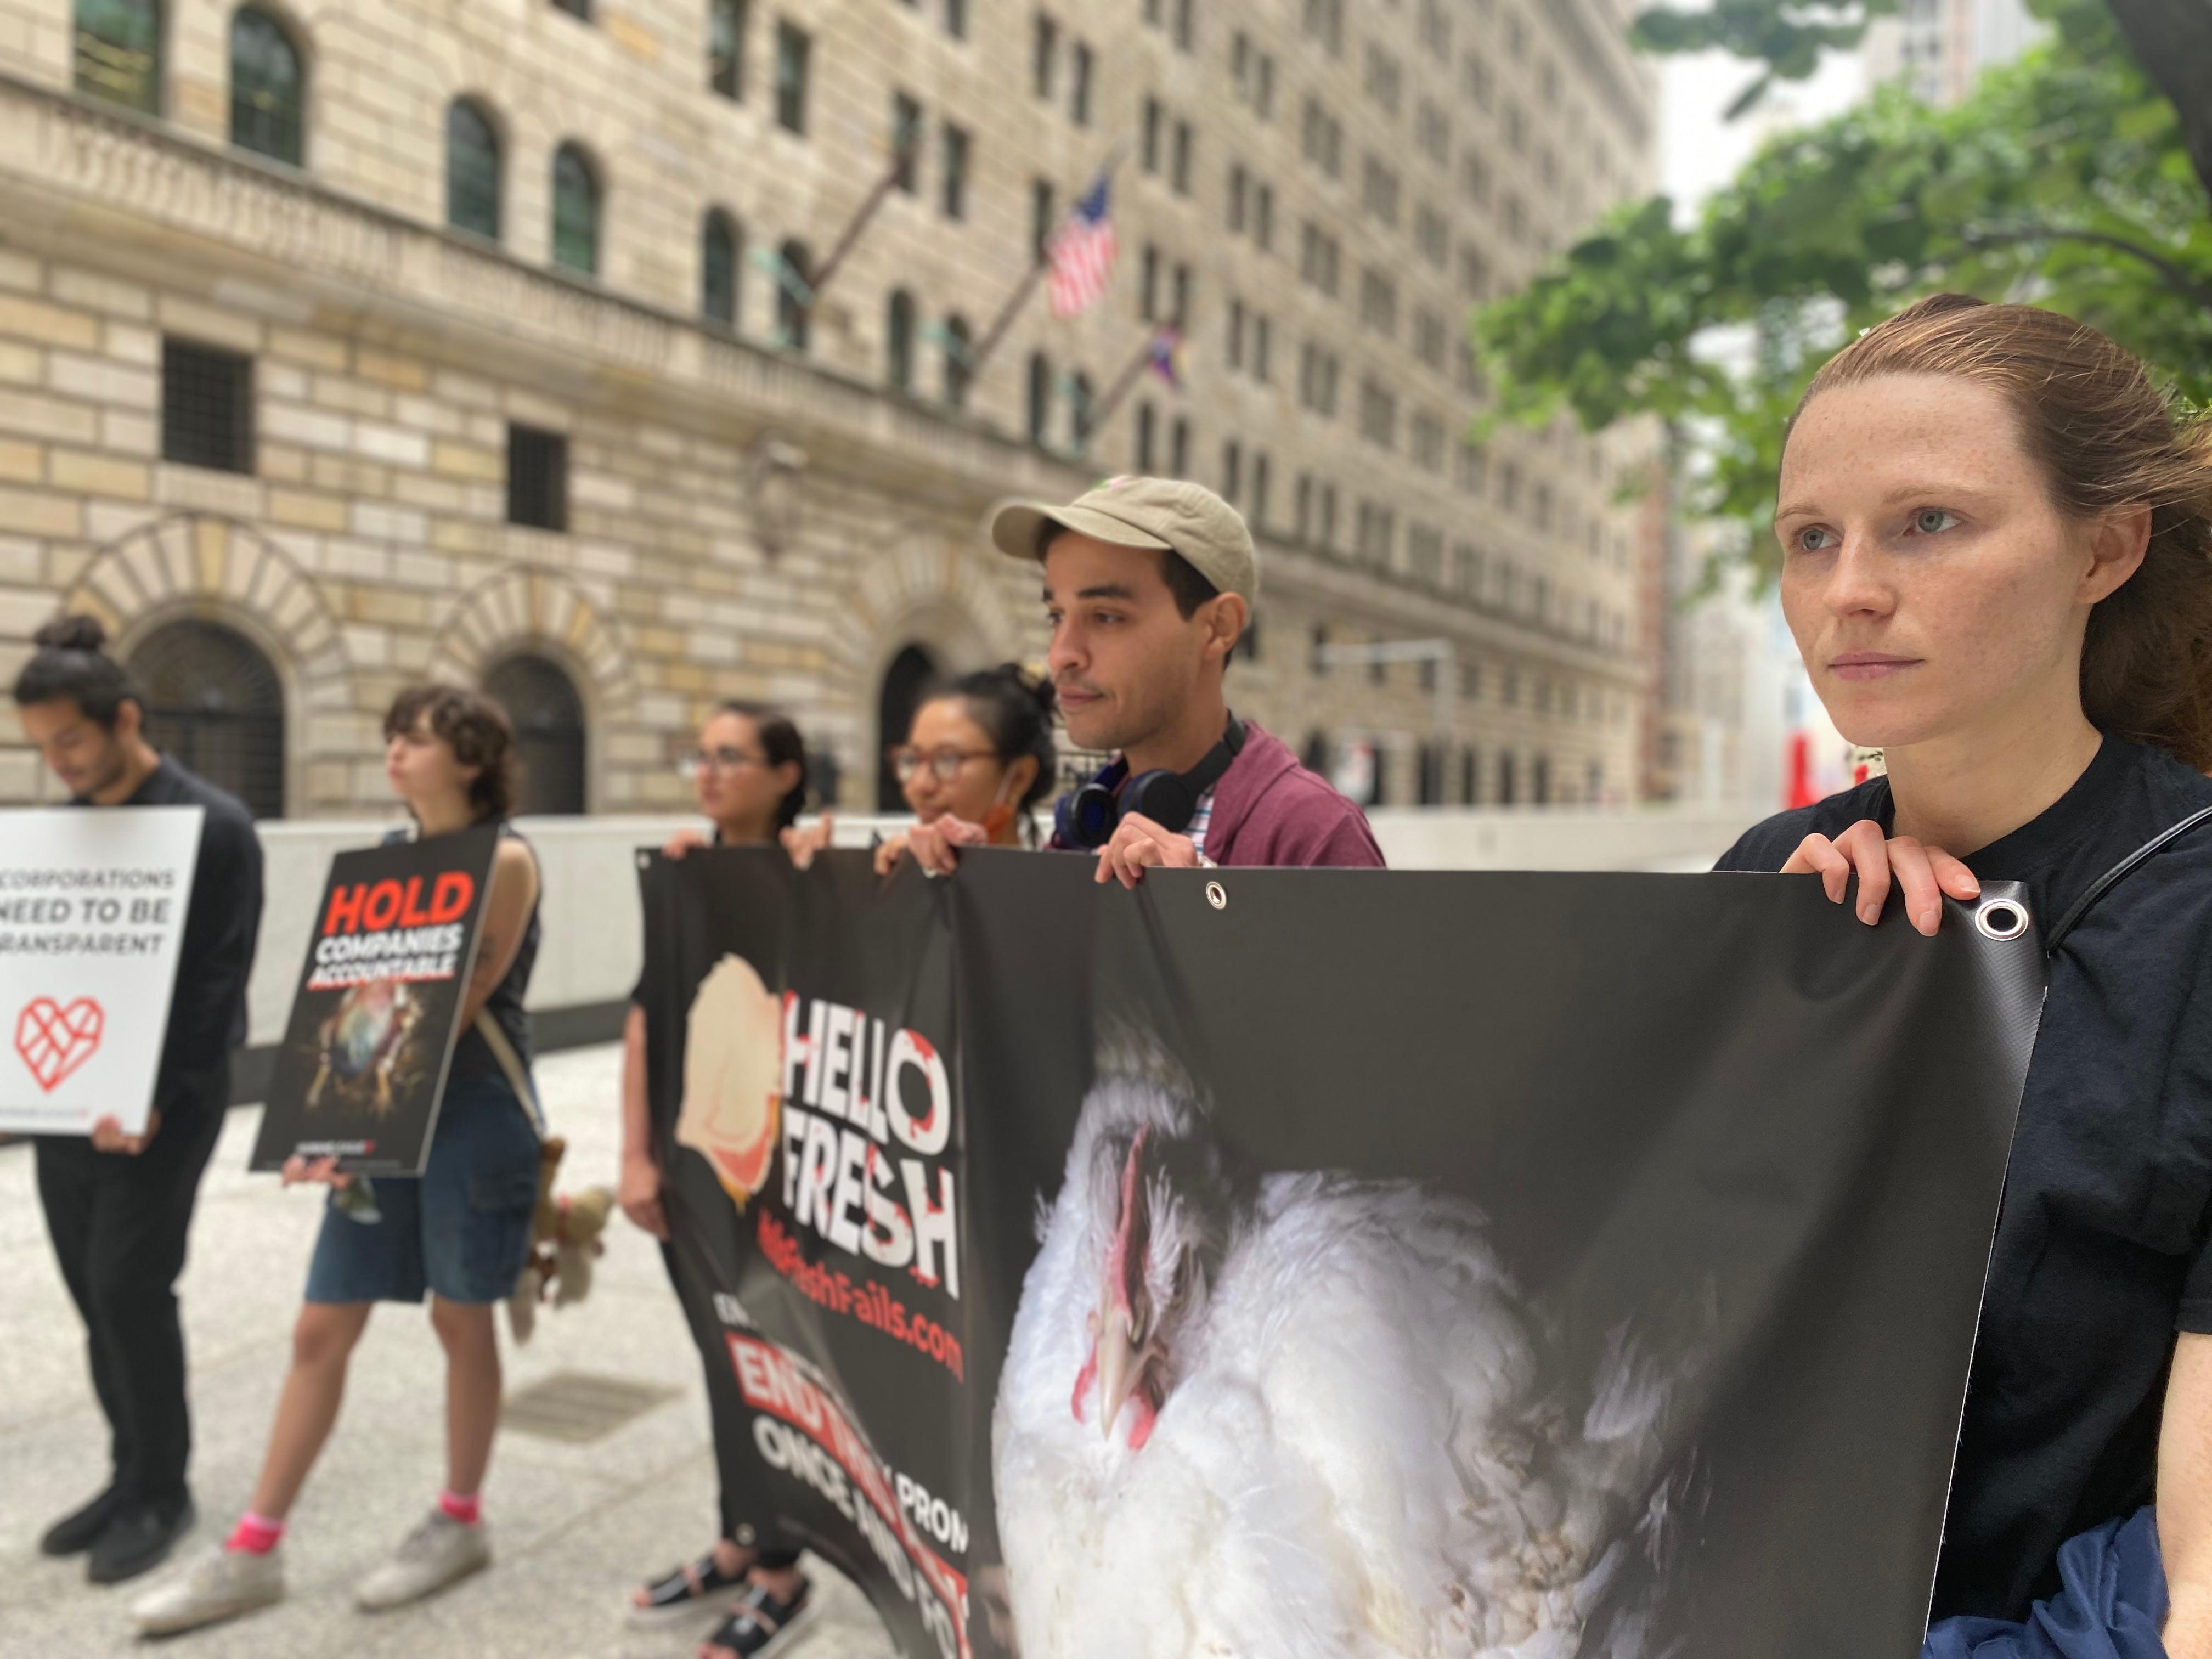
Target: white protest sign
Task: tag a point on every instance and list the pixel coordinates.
(92, 918)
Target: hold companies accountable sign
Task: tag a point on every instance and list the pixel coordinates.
(1286, 1263)
(92, 918)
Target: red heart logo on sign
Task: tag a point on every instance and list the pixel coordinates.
(55, 1041)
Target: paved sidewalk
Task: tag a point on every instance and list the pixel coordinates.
(573, 1526)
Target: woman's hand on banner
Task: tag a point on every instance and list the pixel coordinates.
(1138, 843)
(1925, 874)
(322, 1171)
(638, 1192)
(681, 842)
(936, 847)
(889, 851)
(803, 845)
(107, 1134)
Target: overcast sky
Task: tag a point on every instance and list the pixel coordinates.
(1698, 151)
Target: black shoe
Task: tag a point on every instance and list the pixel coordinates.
(73, 1534)
(761, 1625)
(139, 1540)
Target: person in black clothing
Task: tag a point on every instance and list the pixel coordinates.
(748, 774)
(1998, 565)
(119, 1206)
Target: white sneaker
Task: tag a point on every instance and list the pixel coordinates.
(218, 1585)
(439, 1552)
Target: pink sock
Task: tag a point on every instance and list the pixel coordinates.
(467, 1510)
(255, 1535)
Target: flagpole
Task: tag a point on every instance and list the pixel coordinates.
(1122, 382)
(1028, 286)
(907, 145)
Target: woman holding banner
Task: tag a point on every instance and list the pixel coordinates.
(1996, 543)
(981, 750)
(460, 1232)
(978, 752)
(749, 774)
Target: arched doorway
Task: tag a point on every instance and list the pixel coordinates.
(542, 701)
(214, 702)
(910, 674)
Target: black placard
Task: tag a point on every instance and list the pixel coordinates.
(375, 1020)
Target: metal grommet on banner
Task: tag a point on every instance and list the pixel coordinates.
(1217, 896)
(2001, 918)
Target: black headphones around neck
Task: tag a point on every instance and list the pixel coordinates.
(1086, 817)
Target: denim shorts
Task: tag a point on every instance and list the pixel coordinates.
(461, 1229)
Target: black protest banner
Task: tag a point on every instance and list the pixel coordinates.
(1338, 1263)
(362, 1068)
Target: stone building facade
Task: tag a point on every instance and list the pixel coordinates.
(622, 355)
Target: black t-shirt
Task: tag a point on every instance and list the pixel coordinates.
(2102, 1253)
(215, 958)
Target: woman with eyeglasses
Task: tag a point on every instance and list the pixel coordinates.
(979, 752)
(748, 774)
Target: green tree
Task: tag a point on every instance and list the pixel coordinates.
(2071, 179)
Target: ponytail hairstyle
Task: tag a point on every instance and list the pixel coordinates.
(781, 745)
(2103, 437)
(1016, 710)
(71, 662)
(477, 729)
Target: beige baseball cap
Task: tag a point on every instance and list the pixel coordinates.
(1169, 514)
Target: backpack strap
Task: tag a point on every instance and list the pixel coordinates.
(518, 1076)
(2112, 876)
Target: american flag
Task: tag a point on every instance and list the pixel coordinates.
(1081, 254)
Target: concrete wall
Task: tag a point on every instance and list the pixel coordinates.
(591, 954)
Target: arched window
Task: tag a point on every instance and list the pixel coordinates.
(956, 376)
(794, 294)
(576, 211)
(119, 52)
(898, 342)
(214, 702)
(267, 86)
(1081, 401)
(472, 169)
(1040, 398)
(721, 249)
(549, 731)
(910, 675)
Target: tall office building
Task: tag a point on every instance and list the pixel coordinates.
(626, 355)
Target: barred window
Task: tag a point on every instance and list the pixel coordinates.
(119, 52)
(266, 87)
(536, 477)
(214, 704)
(472, 169)
(207, 406)
(541, 699)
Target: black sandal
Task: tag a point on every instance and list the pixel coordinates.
(682, 1592)
(757, 1624)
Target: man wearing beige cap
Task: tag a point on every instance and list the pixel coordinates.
(1149, 584)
